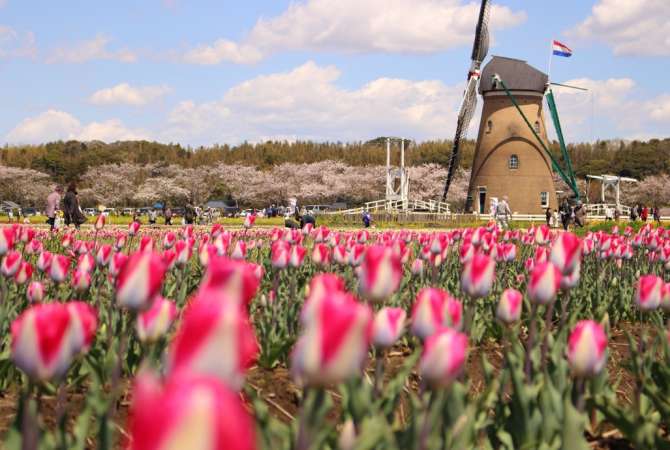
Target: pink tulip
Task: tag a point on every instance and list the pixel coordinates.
(146, 244)
(133, 228)
(41, 344)
(116, 263)
(508, 252)
(649, 292)
(334, 343)
(183, 251)
(340, 255)
(665, 299)
(297, 255)
(239, 250)
(542, 235)
(169, 239)
(35, 292)
(417, 267)
(11, 263)
(231, 280)
(320, 287)
(443, 358)
(478, 275)
(434, 309)
(280, 254)
(6, 240)
(85, 263)
(140, 280)
(566, 253)
(103, 255)
(44, 261)
(188, 412)
(24, 274)
(120, 241)
(356, 254)
(81, 281)
(509, 306)
(587, 349)
(321, 255)
(99, 222)
(249, 221)
(155, 322)
(84, 322)
(215, 338)
(381, 273)
(34, 247)
(388, 326)
(544, 283)
(59, 268)
(571, 280)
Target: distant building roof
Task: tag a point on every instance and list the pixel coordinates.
(517, 74)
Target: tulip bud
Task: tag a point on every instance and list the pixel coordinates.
(239, 250)
(587, 347)
(649, 292)
(24, 273)
(388, 326)
(44, 261)
(320, 287)
(81, 281)
(443, 358)
(381, 273)
(232, 280)
(140, 280)
(478, 275)
(59, 267)
(6, 240)
(434, 309)
(209, 325)
(11, 263)
(41, 341)
(249, 221)
(116, 263)
(280, 254)
(103, 255)
(188, 412)
(84, 320)
(297, 255)
(133, 228)
(509, 306)
(155, 322)
(321, 255)
(566, 253)
(417, 267)
(334, 344)
(544, 283)
(35, 292)
(99, 222)
(347, 439)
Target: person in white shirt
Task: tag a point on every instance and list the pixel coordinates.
(53, 203)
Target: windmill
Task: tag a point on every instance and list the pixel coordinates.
(480, 49)
(512, 157)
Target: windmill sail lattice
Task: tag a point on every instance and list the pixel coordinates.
(480, 49)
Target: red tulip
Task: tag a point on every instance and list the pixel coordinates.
(297, 255)
(24, 273)
(140, 280)
(169, 239)
(133, 228)
(188, 412)
(81, 281)
(434, 309)
(84, 321)
(566, 253)
(649, 292)
(280, 254)
(321, 255)
(116, 264)
(6, 240)
(231, 280)
(35, 292)
(544, 283)
(443, 358)
(103, 255)
(44, 261)
(249, 220)
(239, 250)
(99, 222)
(214, 338)
(320, 287)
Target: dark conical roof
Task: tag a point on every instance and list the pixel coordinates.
(517, 74)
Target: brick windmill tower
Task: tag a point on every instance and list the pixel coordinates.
(509, 160)
(512, 157)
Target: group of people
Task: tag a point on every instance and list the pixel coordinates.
(643, 213)
(72, 213)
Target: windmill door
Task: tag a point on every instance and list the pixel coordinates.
(482, 199)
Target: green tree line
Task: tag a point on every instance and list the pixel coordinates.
(69, 160)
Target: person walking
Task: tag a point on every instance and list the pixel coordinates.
(503, 213)
(367, 219)
(189, 214)
(152, 216)
(71, 208)
(548, 216)
(580, 214)
(168, 216)
(657, 215)
(566, 214)
(644, 215)
(53, 203)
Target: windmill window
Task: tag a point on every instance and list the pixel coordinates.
(514, 162)
(489, 126)
(536, 126)
(544, 199)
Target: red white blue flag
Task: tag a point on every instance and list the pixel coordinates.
(561, 49)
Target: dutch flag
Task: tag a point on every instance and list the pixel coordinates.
(561, 49)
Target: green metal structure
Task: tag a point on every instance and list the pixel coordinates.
(567, 174)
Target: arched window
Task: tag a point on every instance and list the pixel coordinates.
(489, 126)
(514, 162)
(536, 126)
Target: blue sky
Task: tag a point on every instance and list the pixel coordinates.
(200, 72)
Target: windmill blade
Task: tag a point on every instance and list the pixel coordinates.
(465, 113)
(480, 49)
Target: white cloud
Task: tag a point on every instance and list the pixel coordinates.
(92, 49)
(16, 44)
(54, 125)
(659, 108)
(306, 103)
(125, 94)
(408, 26)
(631, 27)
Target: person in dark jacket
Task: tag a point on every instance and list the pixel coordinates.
(71, 209)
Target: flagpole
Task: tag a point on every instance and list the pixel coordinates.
(551, 56)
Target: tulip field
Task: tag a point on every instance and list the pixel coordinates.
(151, 338)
